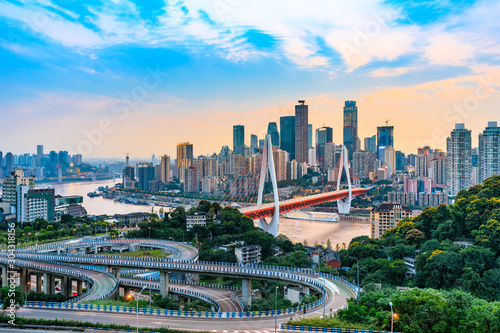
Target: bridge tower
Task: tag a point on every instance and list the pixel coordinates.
(268, 164)
(344, 205)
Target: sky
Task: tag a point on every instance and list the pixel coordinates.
(105, 78)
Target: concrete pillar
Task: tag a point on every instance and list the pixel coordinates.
(48, 283)
(5, 276)
(306, 290)
(126, 292)
(79, 287)
(70, 287)
(96, 250)
(39, 286)
(23, 279)
(116, 273)
(246, 292)
(164, 283)
(64, 286)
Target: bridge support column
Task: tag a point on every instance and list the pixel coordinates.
(306, 290)
(79, 288)
(116, 273)
(126, 293)
(39, 286)
(64, 286)
(5, 276)
(164, 283)
(96, 250)
(48, 283)
(24, 279)
(246, 292)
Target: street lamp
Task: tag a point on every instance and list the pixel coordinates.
(137, 308)
(357, 268)
(276, 311)
(149, 232)
(392, 318)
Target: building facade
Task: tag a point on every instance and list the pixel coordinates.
(489, 151)
(386, 216)
(301, 131)
(458, 160)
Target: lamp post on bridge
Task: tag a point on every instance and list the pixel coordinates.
(137, 308)
(276, 311)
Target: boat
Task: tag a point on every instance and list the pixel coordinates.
(93, 194)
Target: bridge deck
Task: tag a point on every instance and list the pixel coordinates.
(267, 210)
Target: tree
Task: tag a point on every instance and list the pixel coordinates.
(442, 269)
(10, 297)
(414, 237)
(488, 235)
(328, 243)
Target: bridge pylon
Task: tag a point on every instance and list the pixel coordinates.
(268, 165)
(344, 205)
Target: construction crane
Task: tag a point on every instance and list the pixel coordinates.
(126, 160)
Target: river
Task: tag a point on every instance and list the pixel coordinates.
(297, 230)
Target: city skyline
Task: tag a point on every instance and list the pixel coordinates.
(73, 73)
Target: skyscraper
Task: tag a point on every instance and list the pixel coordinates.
(400, 161)
(390, 160)
(371, 143)
(9, 163)
(351, 127)
(385, 137)
(323, 136)
(184, 159)
(459, 160)
(165, 168)
(287, 142)
(272, 130)
(145, 174)
(489, 151)
(421, 165)
(363, 162)
(39, 156)
(310, 135)
(239, 139)
(254, 144)
(301, 131)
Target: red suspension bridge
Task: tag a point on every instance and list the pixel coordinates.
(247, 191)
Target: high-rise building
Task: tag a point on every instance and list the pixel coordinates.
(421, 165)
(323, 136)
(438, 169)
(351, 127)
(489, 151)
(184, 159)
(35, 204)
(128, 177)
(9, 163)
(310, 135)
(330, 159)
(239, 139)
(145, 174)
(363, 162)
(390, 160)
(165, 168)
(386, 216)
(385, 137)
(458, 160)
(254, 144)
(10, 184)
(301, 131)
(272, 130)
(287, 135)
(39, 156)
(371, 143)
(192, 183)
(77, 159)
(400, 161)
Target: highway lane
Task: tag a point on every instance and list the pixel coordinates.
(183, 252)
(223, 297)
(336, 300)
(103, 282)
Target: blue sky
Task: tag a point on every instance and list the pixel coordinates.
(68, 65)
